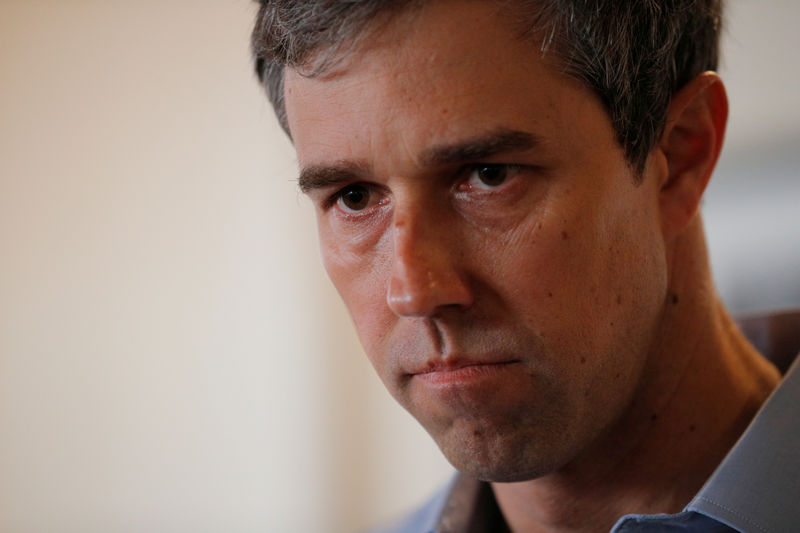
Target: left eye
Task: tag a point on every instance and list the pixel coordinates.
(489, 176)
(354, 198)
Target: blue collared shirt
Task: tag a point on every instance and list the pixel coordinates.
(756, 488)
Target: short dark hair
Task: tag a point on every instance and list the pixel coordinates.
(634, 54)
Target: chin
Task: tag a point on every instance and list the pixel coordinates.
(503, 457)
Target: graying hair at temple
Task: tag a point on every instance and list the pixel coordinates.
(633, 54)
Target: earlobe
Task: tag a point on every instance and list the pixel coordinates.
(690, 144)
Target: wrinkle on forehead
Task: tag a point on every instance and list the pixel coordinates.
(402, 93)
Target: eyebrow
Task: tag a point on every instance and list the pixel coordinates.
(322, 176)
(495, 142)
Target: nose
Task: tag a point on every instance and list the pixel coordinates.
(426, 274)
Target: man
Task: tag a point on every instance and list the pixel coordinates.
(507, 199)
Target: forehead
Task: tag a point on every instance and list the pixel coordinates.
(435, 72)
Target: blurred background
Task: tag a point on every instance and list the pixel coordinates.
(172, 357)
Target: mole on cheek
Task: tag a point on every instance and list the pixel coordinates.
(564, 235)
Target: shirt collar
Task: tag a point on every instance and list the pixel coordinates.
(756, 487)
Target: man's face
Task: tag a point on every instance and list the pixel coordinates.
(504, 270)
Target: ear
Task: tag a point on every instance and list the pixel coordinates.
(690, 145)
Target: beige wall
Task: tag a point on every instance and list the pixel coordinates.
(172, 357)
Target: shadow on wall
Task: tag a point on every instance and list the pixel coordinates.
(752, 216)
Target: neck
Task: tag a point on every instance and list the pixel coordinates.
(702, 384)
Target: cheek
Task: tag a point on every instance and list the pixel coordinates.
(581, 278)
(624, 283)
(534, 266)
(360, 275)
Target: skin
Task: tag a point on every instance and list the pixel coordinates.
(513, 283)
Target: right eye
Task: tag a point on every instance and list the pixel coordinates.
(353, 198)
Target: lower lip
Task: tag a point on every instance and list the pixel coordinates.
(465, 374)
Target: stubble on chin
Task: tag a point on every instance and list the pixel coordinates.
(516, 447)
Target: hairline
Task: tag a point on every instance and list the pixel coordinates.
(623, 93)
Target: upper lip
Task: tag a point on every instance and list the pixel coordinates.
(452, 364)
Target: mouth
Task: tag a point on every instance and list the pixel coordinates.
(462, 373)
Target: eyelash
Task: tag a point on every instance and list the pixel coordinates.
(331, 200)
(464, 174)
(510, 170)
